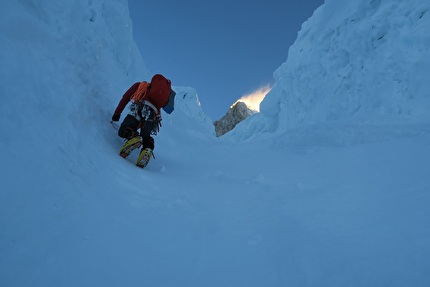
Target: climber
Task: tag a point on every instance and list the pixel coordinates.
(145, 114)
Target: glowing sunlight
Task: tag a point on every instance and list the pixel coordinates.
(254, 99)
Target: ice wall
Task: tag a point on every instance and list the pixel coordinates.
(351, 60)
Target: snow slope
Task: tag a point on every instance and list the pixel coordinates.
(314, 202)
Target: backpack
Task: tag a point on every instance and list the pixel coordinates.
(159, 93)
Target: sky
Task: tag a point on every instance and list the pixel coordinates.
(331, 203)
(225, 49)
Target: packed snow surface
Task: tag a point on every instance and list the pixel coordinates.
(327, 186)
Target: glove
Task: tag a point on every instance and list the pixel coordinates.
(115, 118)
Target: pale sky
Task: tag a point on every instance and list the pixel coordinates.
(224, 49)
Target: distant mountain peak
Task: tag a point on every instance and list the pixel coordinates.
(238, 112)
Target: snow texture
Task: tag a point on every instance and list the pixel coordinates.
(327, 186)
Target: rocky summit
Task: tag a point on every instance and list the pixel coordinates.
(237, 113)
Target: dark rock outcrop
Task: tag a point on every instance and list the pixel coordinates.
(237, 113)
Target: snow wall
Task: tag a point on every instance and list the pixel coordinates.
(71, 62)
(352, 60)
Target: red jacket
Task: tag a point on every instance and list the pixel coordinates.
(126, 98)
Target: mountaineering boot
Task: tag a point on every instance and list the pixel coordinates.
(130, 145)
(144, 157)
